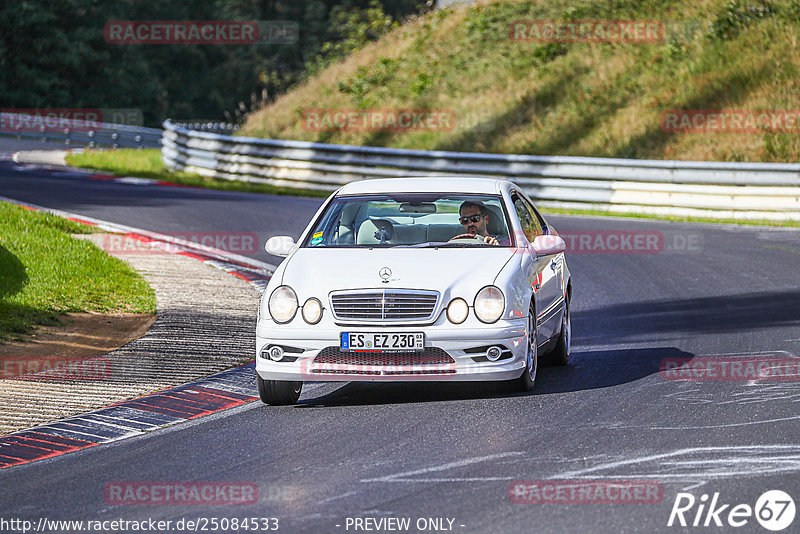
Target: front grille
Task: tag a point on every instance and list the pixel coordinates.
(384, 305)
(430, 356)
(432, 360)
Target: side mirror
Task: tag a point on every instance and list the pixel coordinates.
(279, 245)
(546, 245)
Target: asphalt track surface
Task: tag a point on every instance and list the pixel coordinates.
(10, 144)
(354, 450)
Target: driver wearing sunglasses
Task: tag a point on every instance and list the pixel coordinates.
(474, 217)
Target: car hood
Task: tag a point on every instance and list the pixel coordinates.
(447, 270)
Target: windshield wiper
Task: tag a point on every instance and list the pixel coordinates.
(427, 244)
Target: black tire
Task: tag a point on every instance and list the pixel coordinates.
(528, 378)
(559, 356)
(278, 392)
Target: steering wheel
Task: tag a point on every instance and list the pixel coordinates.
(476, 237)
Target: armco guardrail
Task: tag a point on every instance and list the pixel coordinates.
(709, 189)
(89, 134)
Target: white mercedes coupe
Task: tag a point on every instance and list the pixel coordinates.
(415, 279)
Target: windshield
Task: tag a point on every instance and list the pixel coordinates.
(412, 220)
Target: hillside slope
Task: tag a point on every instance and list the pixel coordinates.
(578, 98)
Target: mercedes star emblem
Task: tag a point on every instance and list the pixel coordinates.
(385, 273)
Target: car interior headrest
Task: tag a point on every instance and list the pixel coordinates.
(375, 231)
(495, 225)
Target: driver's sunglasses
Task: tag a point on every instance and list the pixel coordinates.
(471, 218)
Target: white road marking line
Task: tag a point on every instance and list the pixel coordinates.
(728, 425)
(749, 353)
(772, 464)
(135, 181)
(336, 497)
(694, 486)
(402, 477)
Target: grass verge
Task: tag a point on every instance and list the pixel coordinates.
(147, 163)
(44, 272)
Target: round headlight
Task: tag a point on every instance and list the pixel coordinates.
(312, 311)
(457, 311)
(283, 304)
(489, 304)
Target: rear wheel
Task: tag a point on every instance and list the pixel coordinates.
(560, 353)
(526, 381)
(278, 392)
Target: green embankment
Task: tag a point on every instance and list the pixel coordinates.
(587, 99)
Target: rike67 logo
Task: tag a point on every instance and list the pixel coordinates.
(774, 510)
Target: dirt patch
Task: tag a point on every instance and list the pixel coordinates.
(81, 335)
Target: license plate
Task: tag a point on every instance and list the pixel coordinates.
(376, 342)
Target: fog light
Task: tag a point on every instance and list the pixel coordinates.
(493, 354)
(276, 353)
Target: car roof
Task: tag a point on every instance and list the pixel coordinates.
(425, 184)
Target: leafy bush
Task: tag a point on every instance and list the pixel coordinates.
(737, 16)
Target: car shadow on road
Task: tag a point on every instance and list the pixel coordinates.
(598, 369)
(587, 370)
(699, 315)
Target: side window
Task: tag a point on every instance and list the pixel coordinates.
(539, 218)
(527, 219)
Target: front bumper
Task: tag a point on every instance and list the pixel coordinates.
(453, 348)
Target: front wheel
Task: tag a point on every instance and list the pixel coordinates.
(278, 392)
(560, 353)
(525, 382)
